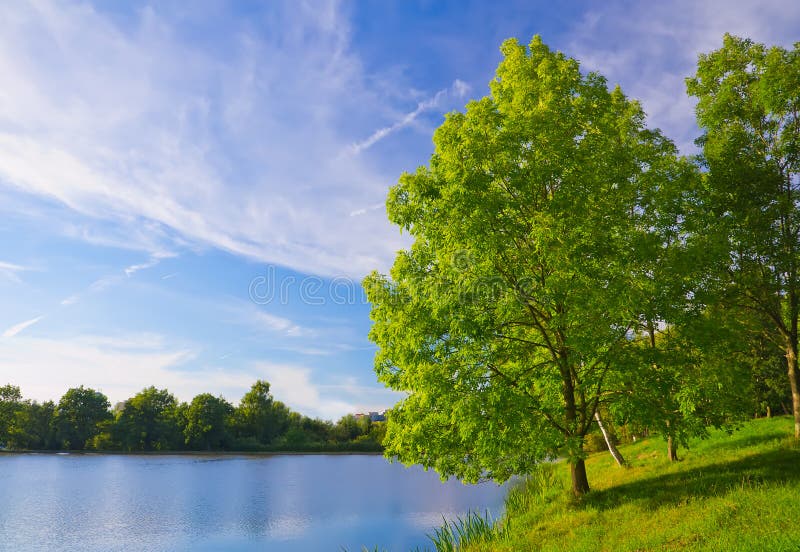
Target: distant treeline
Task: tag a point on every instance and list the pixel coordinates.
(154, 420)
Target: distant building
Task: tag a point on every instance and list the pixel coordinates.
(373, 416)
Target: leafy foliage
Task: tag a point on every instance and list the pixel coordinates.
(749, 110)
(78, 415)
(505, 319)
(149, 421)
(153, 420)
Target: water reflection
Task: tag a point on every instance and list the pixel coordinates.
(314, 502)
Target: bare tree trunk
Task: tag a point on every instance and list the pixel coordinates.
(612, 448)
(580, 483)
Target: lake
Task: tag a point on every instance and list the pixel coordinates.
(98, 502)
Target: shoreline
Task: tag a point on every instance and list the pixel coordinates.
(192, 453)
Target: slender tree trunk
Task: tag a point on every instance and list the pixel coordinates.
(580, 483)
(672, 446)
(612, 448)
(791, 360)
(672, 449)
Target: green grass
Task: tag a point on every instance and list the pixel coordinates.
(728, 492)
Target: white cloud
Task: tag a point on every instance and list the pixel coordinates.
(365, 210)
(11, 267)
(279, 324)
(10, 270)
(17, 328)
(458, 89)
(45, 368)
(150, 263)
(651, 47)
(293, 385)
(122, 365)
(234, 145)
(71, 300)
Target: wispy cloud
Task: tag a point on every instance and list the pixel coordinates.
(10, 271)
(120, 366)
(651, 47)
(11, 267)
(279, 324)
(294, 386)
(365, 210)
(155, 140)
(150, 263)
(17, 328)
(71, 300)
(458, 89)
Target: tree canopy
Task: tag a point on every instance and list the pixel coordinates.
(748, 109)
(78, 414)
(506, 319)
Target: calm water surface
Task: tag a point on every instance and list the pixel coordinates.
(314, 502)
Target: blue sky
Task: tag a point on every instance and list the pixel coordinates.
(191, 192)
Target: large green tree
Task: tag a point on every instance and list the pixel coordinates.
(259, 416)
(149, 421)
(78, 415)
(749, 111)
(505, 319)
(207, 421)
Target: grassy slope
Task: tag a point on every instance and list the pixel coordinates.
(738, 492)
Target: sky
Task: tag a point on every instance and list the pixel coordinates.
(191, 193)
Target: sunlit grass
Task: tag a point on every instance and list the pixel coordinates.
(728, 492)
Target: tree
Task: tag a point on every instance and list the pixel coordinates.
(691, 376)
(78, 414)
(349, 427)
(10, 405)
(207, 419)
(259, 416)
(748, 109)
(38, 426)
(506, 316)
(149, 421)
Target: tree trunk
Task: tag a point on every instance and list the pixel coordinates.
(612, 448)
(791, 360)
(580, 483)
(672, 449)
(672, 446)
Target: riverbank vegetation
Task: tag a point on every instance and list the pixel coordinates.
(728, 492)
(155, 421)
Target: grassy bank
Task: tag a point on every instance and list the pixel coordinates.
(728, 492)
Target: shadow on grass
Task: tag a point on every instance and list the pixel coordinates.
(735, 441)
(771, 467)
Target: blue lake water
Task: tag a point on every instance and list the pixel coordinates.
(237, 503)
